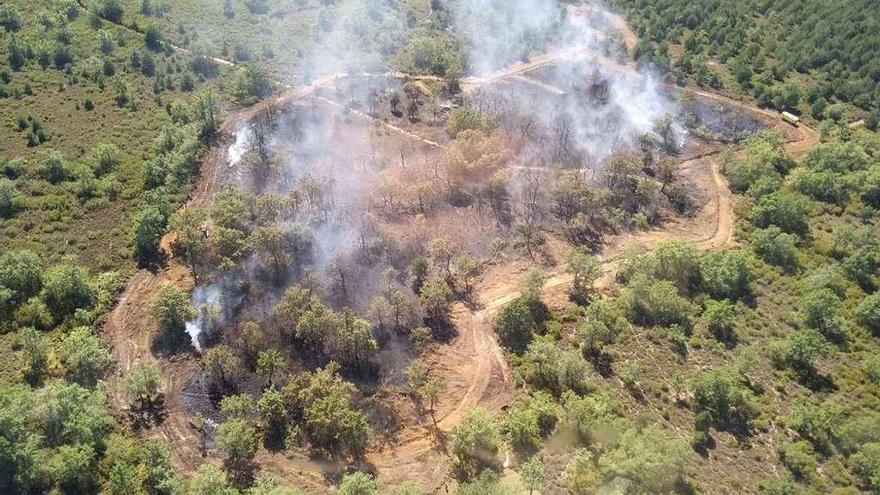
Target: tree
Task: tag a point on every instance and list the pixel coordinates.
(237, 406)
(520, 426)
(721, 393)
(804, 348)
(583, 476)
(720, 317)
(726, 274)
(173, 310)
(191, 239)
(532, 472)
(221, 364)
(206, 109)
(647, 457)
(474, 442)
(266, 484)
(776, 247)
(9, 198)
(358, 483)
(85, 356)
(269, 362)
(66, 289)
(273, 414)
(317, 324)
(237, 439)
(821, 310)
(601, 325)
(786, 210)
(110, 10)
(21, 272)
(210, 480)
(584, 270)
(434, 297)
(142, 386)
(516, 325)
(868, 312)
(354, 342)
(866, 465)
(33, 346)
(149, 226)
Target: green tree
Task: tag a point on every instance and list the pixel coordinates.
(173, 309)
(273, 414)
(238, 406)
(66, 289)
(434, 297)
(221, 364)
(10, 200)
(237, 439)
(142, 385)
(788, 211)
(584, 270)
(268, 363)
(654, 462)
(358, 483)
(210, 480)
(85, 356)
(821, 310)
(190, 237)
(720, 318)
(726, 274)
(149, 226)
(33, 347)
(474, 443)
(533, 475)
(354, 342)
(515, 325)
(582, 472)
(603, 322)
(21, 272)
(776, 247)
(868, 313)
(206, 109)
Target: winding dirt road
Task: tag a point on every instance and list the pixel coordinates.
(473, 362)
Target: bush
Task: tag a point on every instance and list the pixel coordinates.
(474, 444)
(516, 325)
(656, 303)
(719, 317)
(866, 465)
(603, 322)
(68, 288)
(799, 458)
(85, 356)
(821, 310)
(726, 274)
(10, 201)
(721, 393)
(776, 247)
(788, 211)
(868, 312)
(465, 119)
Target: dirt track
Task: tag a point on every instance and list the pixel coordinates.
(472, 366)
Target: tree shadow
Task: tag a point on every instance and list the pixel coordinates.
(171, 341)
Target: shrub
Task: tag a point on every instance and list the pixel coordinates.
(474, 443)
(868, 312)
(719, 317)
(821, 310)
(788, 211)
(799, 458)
(85, 356)
(776, 247)
(656, 303)
(866, 465)
(358, 483)
(601, 325)
(721, 393)
(516, 325)
(66, 289)
(726, 274)
(465, 119)
(9, 198)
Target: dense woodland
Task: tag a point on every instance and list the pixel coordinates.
(794, 55)
(755, 368)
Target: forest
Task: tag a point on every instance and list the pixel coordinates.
(792, 55)
(412, 247)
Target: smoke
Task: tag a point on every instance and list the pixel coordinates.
(576, 109)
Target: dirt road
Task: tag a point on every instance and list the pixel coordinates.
(472, 367)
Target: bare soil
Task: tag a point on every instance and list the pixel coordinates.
(472, 367)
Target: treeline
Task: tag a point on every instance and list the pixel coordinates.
(768, 45)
